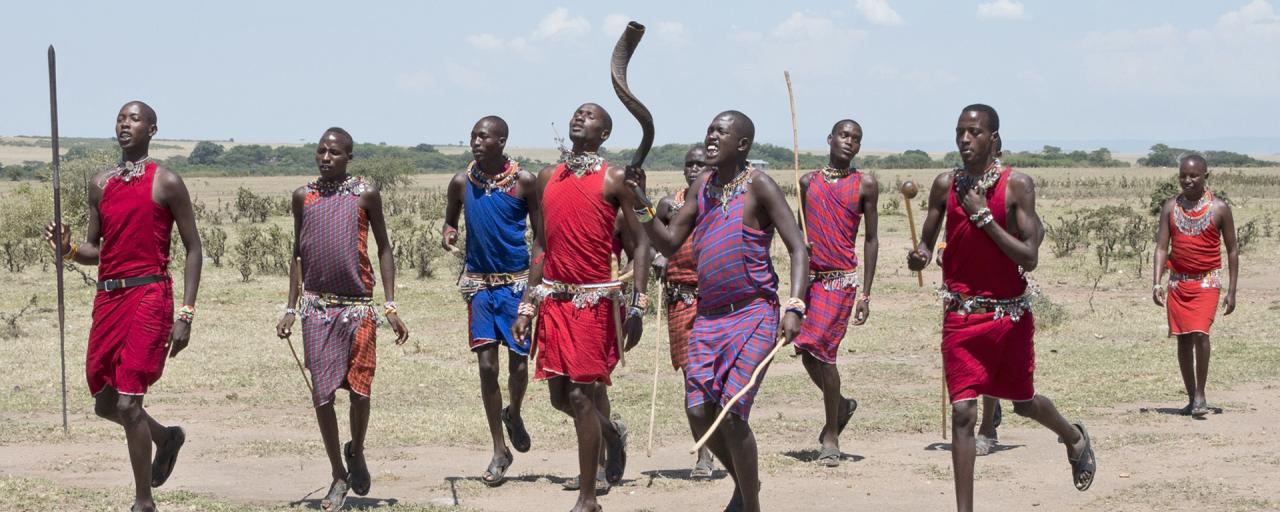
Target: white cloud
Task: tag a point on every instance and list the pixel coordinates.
(486, 41)
(559, 24)
(878, 12)
(802, 43)
(1257, 20)
(466, 77)
(416, 81)
(1002, 10)
(1161, 36)
(803, 27)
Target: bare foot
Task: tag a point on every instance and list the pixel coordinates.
(143, 506)
(586, 505)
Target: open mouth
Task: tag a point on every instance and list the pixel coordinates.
(712, 150)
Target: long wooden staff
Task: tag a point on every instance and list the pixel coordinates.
(657, 363)
(755, 376)
(795, 153)
(57, 230)
(297, 274)
(909, 192)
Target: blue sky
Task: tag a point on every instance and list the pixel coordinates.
(407, 72)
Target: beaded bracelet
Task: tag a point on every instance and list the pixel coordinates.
(975, 218)
(645, 215)
(797, 305)
(986, 219)
(186, 313)
(639, 300)
(526, 309)
(865, 298)
(70, 255)
(290, 311)
(390, 308)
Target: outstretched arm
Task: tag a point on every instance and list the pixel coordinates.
(371, 201)
(1228, 230)
(937, 212)
(1162, 252)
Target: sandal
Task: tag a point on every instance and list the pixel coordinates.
(1185, 411)
(516, 431)
(496, 474)
(984, 445)
(829, 457)
(602, 484)
(357, 474)
(1084, 467)
(705, 467)
(337, 497)
(998, 416)
(616, 458)
(1199, 410)
(167, 457)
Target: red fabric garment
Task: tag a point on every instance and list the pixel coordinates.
(680, 317)
(1192, 304)
(578, 343)
(982, 355)
(135, 230)
(681, 267)
(972, 264)
(832, 217)
(128, 341)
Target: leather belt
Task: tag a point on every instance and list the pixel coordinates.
(107, 285)
(729, 308)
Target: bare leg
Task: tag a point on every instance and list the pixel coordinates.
(963, 416)
(359, 418)
(491, 395)
(517, 381)
(1202, 367)
(137, 432)
(1041, 409)
(328, 421)
(104, 405)
(988, 425)
(741, 442)
(1186, 363)
(827, 378)
(701, 417)
(586, 422)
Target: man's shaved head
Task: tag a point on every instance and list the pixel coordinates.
(836, 127)
(498, 124)
(342, 135)
(147, 112)
(1193, 160)
(742, 125)
(604, 115)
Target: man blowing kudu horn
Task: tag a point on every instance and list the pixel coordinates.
(576, 299)
(993, 238)
(132, 210)
(732, 217)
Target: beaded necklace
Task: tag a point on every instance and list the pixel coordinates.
(127, 170)
(351, 185)
(831, 174)
(583, 163)
(726, 193)
(1193, 221)
(963, 181)
(502, 181)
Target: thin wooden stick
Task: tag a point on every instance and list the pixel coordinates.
(297, 274)
(944, 404)
(657, 364)
(738, 396)
(795, 152)
(915, 242)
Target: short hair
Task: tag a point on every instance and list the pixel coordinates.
(993, 119)
(749, 127)
(147, 112)
(836, 126)
(1193, 157)
(607, 119)
(696, 147)
(498, 122)
(351, 142)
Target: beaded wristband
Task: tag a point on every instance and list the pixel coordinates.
(865, 298)
(640, 301)
(645, 215)
(71, 252)
(526, 309)
(186, 313)
(796, 304)
(975, 218)
(290, 311)
(986, 219)
(390, 308)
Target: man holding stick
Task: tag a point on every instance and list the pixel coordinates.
(732, 220)
(836, 199)
(132, 210)
(332, 218)
(993, 238)
(578, 302)
(498, 197)
(680, 280)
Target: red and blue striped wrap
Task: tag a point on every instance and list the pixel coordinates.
(832, 217)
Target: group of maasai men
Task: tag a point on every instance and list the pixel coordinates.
(710, 241)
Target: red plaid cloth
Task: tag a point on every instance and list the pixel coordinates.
(826, 320)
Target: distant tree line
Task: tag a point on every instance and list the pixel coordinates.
(671, 156)
(1164, 156)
